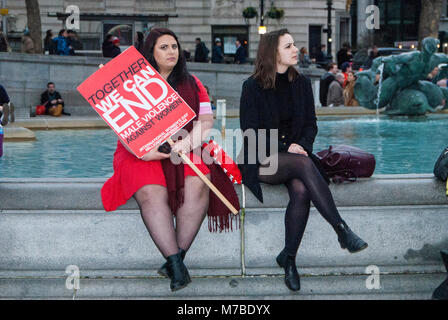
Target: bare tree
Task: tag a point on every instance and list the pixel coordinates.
(429, 19)
(34, 24)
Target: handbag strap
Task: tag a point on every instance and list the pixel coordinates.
(341, 176)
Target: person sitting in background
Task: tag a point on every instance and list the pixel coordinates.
(240, 54)
(27, 42)
(73, 42)
(349, 91)
(187, 54)
(52, 100)
(304, 59)
(335, 92)
(346, 68)
(217, 54)
(321, 54)
(111, 47)
(62, 46)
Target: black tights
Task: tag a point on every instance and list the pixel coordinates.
(155, 211)
(305, 184)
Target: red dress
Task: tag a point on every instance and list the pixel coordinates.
(131, 173)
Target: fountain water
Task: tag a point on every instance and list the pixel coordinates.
(380, 84)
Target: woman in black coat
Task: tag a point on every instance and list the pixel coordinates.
(279, 123)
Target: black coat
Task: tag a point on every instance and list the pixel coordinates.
(258, 110)
(325, 81)
(240, 55)
(110, 50)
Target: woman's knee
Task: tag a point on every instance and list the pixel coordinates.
(195, 187)
(297, 189)
(151, 193)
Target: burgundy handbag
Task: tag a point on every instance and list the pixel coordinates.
(346, 163)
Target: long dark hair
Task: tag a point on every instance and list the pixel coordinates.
(180, 72)
(266, 62)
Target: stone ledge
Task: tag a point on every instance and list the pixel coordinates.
(84, 194)
(15, 133)
(411, 286)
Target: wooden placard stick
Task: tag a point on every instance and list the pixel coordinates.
(205, 179)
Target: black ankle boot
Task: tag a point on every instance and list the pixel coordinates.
(163, 271)
(441, 293)
(348, 239)
(292, 278)
(178, 272)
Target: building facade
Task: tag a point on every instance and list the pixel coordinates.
(189, 19)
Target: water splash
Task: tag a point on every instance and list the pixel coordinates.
(380, 85)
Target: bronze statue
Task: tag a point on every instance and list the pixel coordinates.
(405, 89)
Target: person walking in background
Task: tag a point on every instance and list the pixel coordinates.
(3, 43)
(61, 41)
(217, 53)
(27, 42)
(344, 55)
(139, 41)
(201, 52)
(336, 92)
(278, 99)
(52, 100)
(49, 44)
(325, 81)
(349, 91)
(240, 54)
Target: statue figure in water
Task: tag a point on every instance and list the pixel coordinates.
(406, 88)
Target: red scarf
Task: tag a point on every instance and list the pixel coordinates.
(219, 216)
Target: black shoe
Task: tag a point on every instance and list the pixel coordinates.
(348, 239)
(163, 271)
(292, 278)
(441, 293)
(178, 271)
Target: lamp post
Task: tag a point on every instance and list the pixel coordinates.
(329, 31)
(262, 27)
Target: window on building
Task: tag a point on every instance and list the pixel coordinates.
(399, 20)
(122, 30)
(228, 36)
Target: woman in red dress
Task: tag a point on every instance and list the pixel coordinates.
(162, 188)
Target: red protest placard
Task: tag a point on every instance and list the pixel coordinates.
(136, 102)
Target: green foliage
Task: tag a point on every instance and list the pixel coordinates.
(250, 12)
(276, 13)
